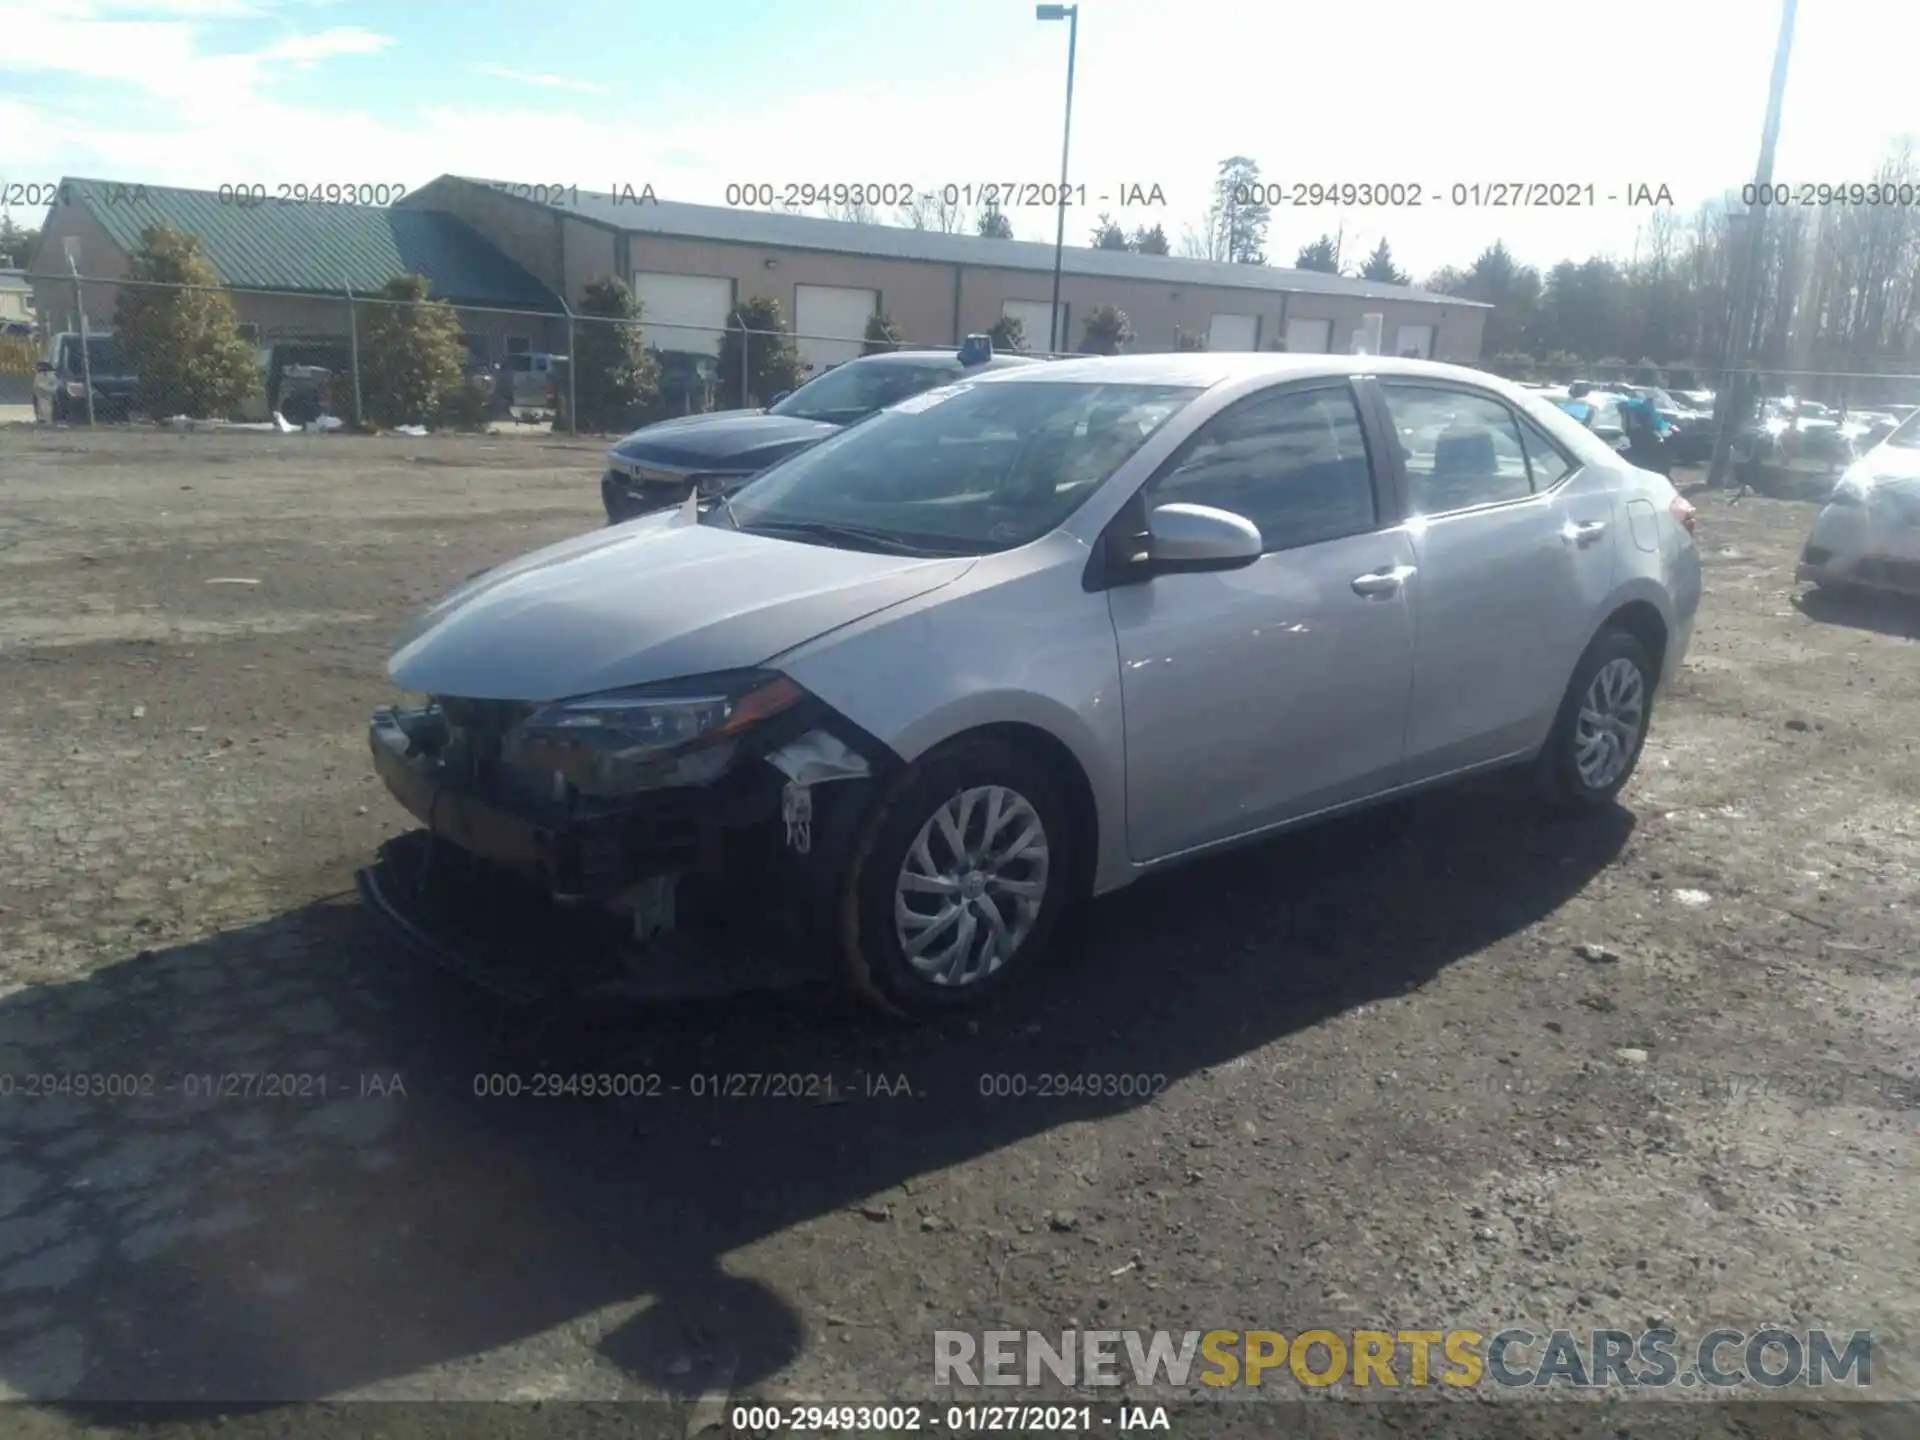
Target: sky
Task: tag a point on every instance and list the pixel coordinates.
(693, 97)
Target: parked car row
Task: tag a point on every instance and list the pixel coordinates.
(1023, 636)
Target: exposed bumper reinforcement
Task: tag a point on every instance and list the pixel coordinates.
(512, 941)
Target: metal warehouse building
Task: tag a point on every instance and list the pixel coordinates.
(311, 258)
(690, 264)
(504, 260)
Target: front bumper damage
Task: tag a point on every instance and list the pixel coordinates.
(699, 890)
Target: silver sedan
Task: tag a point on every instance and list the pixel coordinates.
(1024, 639)
(1868, 534)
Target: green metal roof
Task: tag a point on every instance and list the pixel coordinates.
(318, 248)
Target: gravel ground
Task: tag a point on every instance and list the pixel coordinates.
(1397, 1091)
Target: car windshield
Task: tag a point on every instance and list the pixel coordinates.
(1906, 434)
(963, 469)
(103, 355)
(852, 391)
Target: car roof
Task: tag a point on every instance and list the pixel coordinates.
(1206, 369)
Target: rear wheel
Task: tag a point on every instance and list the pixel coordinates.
(959, 880)
(1602, 724)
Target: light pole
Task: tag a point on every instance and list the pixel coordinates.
(1056, 340)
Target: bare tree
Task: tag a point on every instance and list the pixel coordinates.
(930, 211)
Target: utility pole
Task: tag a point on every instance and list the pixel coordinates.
(1056, 328)
(86, 341)
(1733, 382)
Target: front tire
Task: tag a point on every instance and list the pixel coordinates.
(959, 879)
(1602, 724)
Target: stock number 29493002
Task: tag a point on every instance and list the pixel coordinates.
(1017, 1086)
(553, 1085)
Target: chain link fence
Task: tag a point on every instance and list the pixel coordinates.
(119, 351)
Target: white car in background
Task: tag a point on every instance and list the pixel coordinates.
(1868, 535)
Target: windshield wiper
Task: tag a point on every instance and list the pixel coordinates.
(724, 505)
(858, 534)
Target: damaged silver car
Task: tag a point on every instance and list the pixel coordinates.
(917, 691)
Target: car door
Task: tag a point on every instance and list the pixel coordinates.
(1515, 553)
(1258, 695)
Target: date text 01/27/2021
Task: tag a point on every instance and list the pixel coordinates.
(990, 194)
(203, 1085)
(1464, 194)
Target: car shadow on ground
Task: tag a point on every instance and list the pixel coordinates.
(195, 1242)
(1894, 615)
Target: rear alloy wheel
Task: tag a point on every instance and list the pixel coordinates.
(1602, 724)
(959, 882)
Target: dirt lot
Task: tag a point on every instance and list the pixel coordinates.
(1396, 1092)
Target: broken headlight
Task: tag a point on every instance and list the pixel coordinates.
(649, 737)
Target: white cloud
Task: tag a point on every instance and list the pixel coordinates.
(553, 82)
(303, 50)
(175, 9)
(1370, 91)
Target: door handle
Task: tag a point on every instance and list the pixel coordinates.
(1584, 533)
(1385, 581)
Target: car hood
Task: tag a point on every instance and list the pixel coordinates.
(732, 439)
(654, 599)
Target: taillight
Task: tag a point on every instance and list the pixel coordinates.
(1683, 512)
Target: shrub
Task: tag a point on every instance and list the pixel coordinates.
(1008, 335)
(1188, 340)
(616, 382)
(411, 355)
(772, 364)
(184, 344)
(882, 335)
(1107, 331)
(465, 407)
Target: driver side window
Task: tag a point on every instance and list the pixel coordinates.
(1294, 463)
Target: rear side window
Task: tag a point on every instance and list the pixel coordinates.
(1544, 459)
(1294, 463)
(1460, 451)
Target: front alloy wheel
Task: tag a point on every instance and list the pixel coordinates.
(958, 879)
(970, 888)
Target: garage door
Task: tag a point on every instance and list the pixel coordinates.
(1311, 337)
(829, 323)
(683, 312)
(1033, 318)
(1417, 338)
(1234, 332)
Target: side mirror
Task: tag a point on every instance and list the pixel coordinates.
(1185, 539)
(778, 398)
(43, 367)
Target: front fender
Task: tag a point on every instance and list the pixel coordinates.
(1016, 642)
